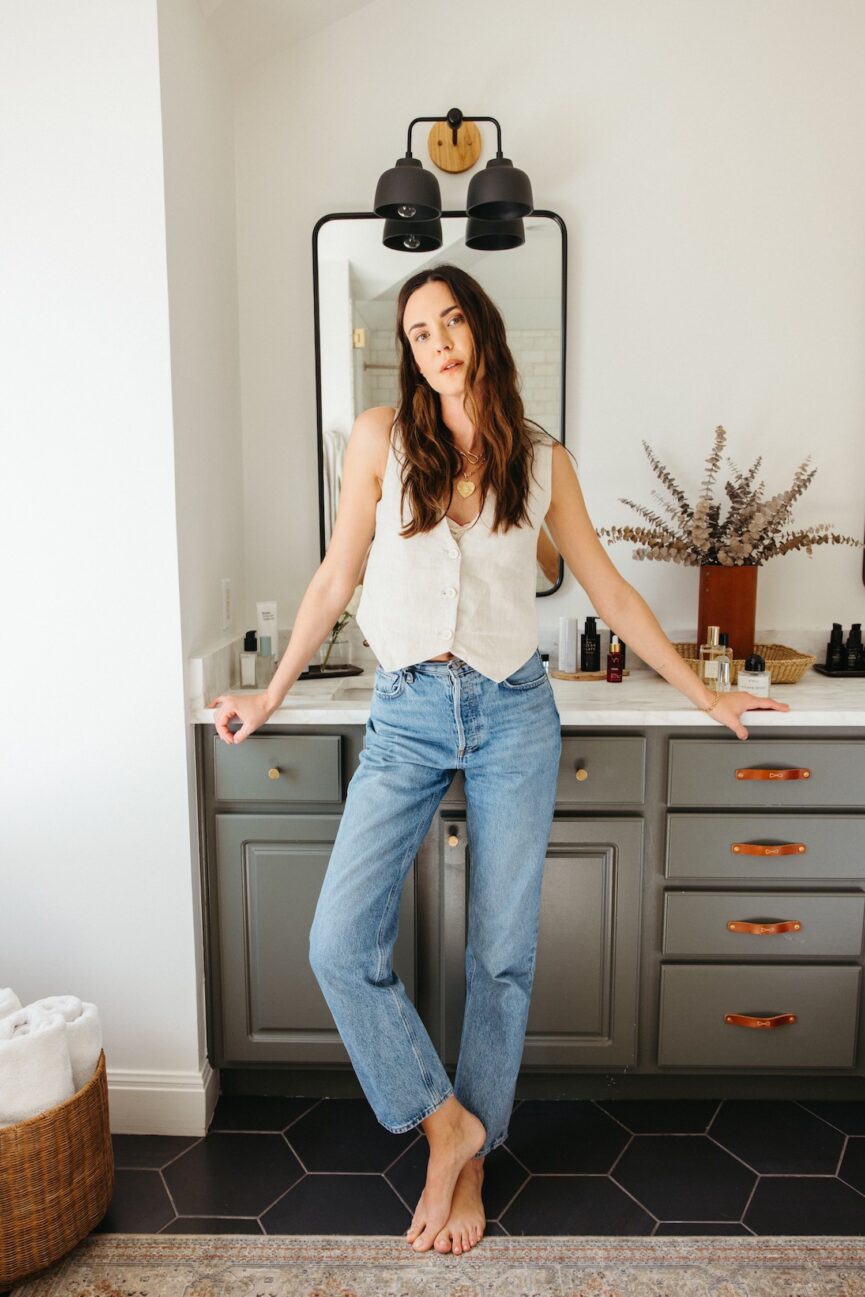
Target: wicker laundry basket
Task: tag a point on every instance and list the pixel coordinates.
(56, 1179)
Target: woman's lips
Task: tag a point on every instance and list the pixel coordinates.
(452, 364)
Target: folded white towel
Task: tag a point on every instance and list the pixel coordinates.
(8, 1001)
(83, 1032)
(35, 1069)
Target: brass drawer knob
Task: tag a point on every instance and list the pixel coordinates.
(453, 839)
(581, 773)
(274, 772)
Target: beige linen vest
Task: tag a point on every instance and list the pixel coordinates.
(473, 596)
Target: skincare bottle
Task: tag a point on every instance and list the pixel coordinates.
(265, 611)
(590, 647)
(725, 665)
(248, 659)
(568, 644)
(854, 645)
(708, 655)
(614, 661)
(836, 654)
(264, 664)
(755, 678)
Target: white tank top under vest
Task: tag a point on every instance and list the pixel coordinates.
(459, 588)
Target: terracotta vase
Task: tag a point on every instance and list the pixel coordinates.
(728, 599)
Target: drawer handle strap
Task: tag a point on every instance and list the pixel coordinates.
(748, 1020)
(764, 929)
(762, 849)
(757, 773)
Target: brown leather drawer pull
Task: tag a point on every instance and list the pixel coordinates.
(796, 772)
(764, 929)
(761, 849)
(748, 1020)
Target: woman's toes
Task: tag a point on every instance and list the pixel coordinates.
(443, 1242)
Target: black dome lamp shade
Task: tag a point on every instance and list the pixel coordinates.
(407, 192)
(494, 236)
(500, 192)
(412, 236)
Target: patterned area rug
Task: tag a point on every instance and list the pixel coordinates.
(188, 1265)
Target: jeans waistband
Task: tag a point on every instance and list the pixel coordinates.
(453, 664)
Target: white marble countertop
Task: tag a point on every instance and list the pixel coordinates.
(642, 698)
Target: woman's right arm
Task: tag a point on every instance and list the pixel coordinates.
(333, 583)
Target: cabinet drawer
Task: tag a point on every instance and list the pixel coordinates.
(696, 999)
(593, 770)
(770, 772)
(786, 847)
(279, 768)
(827, 925)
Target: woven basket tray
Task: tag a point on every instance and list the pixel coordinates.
(56, 1179)
(787, 665)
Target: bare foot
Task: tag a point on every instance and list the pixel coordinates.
(454, 1135)
(465, 1225)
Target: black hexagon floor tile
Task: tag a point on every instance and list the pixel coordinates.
(503, 1176)
(575, 1204)
(662, 1116)
(688, 1228)
(789, 1204)
(565, 1137)
(777, 1138)
(847, 1115)
(258, 1112)
(150, 1151)
(852, 1168)
(345, 1135)
(139, 1205)
(212, 1225)
(684, 1177)
(338, 1204)
(232, 1175)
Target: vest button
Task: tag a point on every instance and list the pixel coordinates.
(450, 592)
(448, 634)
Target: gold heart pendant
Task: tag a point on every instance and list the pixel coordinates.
(465, 488)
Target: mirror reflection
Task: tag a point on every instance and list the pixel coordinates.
(357, 281)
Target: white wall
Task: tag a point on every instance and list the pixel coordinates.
(706, 159)
(103, 602)
(96, 898)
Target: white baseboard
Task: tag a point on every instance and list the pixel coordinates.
(162, 1103)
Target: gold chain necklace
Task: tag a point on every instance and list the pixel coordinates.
(467, 487)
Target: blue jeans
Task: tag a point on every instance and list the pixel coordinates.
(427, 721)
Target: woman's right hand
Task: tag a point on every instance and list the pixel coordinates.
(252, 709)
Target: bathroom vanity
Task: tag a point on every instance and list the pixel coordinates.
(702, 912)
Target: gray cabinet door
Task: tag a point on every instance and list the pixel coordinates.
(585, 993)
(269, 871)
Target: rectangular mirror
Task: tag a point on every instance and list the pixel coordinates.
(356, 281)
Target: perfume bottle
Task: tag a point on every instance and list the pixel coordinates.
(590, 647)
(725, 665)
(614, 661)
(755, 678)
(708, 658)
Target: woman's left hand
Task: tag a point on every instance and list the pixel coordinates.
(730, 707)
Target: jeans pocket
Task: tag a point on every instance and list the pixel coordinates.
(529, 676)
(388, 684)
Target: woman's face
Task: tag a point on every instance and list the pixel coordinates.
(439, 336)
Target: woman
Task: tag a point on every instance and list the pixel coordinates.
(448, 607)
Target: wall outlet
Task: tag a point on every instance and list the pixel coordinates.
(226, 603)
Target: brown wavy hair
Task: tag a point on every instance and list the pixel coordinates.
(493, 404)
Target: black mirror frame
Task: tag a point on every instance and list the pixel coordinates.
(354, 216)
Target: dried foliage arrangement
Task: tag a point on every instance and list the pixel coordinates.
(754, 530)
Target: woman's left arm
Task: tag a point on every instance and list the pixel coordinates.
(623, 609)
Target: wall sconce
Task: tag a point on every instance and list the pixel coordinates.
(498, 197)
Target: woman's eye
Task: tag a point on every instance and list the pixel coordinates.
(455, 319)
